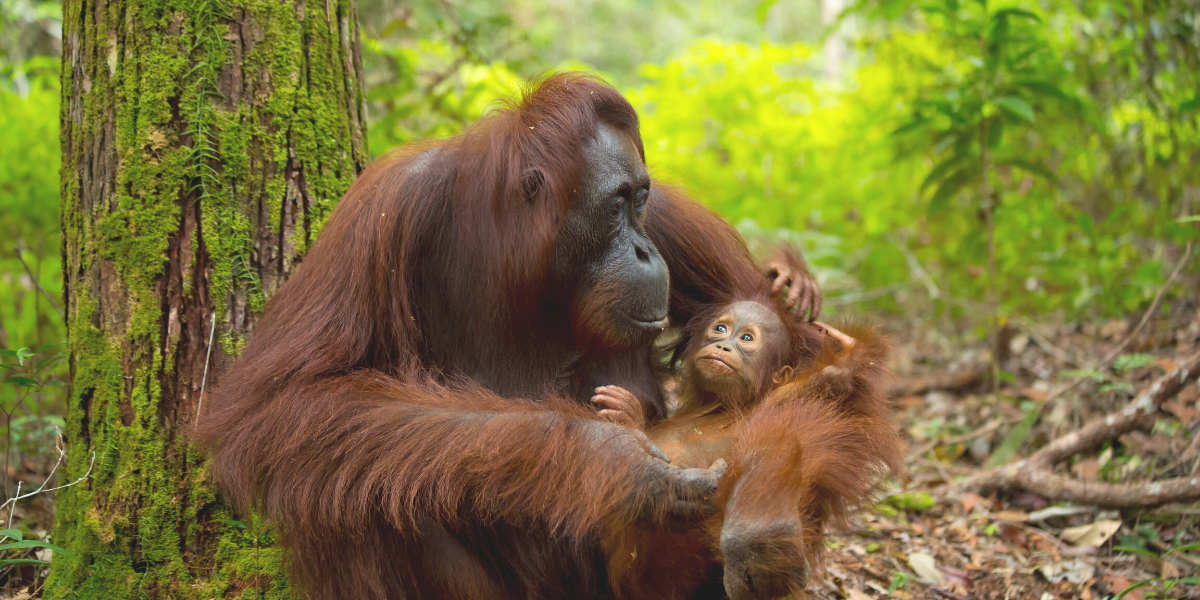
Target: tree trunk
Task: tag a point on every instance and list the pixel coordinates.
(203, 144)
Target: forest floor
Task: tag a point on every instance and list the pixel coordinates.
(931, 538)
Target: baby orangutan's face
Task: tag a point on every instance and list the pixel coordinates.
(743, 346)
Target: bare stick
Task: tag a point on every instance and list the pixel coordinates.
(37, 285)
(204, 379)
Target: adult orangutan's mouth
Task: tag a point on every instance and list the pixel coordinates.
(657, 323)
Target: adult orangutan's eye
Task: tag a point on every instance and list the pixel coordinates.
(720, 328)
(614, 210)
(640, 200)
(746, 337)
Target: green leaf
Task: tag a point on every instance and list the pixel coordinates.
(948, 188)
(764, 7)
(1135, 550)
(12, 533)
(23, 381)
(914, 501)
(1124, 592)
(1015, 438)
(38, 544)
(1004, 13)
(22, 562)
(1184, 548)
(1188, 219)
(941, 169)
(1089, 229)
(1030, 166)
(1127, 362)
(1016, 106)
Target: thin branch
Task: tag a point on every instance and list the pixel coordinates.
(11, 503)
(1187, 253)
(914, 265)
(36, 284)
(204, 380)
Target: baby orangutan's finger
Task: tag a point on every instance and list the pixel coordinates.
(619, 417)
(619, 399)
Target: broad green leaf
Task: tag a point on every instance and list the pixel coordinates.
(12, 533)
(1188, 219)
(1016, 107)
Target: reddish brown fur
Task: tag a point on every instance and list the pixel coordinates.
(400, 409)
(811, 452)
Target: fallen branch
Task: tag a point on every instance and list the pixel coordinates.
(924, 385)
(1035, 474)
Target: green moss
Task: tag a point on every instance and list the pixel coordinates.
(148, 522)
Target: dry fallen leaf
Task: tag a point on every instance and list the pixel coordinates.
(1094, 534)
(925, 567)
(1015, 516)
(857, 595)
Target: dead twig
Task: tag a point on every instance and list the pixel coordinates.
(1035, 474)
(924, 385)
(1162, 291)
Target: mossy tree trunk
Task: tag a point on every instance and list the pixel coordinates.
(204, 142)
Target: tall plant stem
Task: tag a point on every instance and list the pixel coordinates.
(985, 192)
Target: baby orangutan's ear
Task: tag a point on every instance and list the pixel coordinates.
(783, 374)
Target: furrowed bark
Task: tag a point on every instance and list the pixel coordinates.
(203, 144)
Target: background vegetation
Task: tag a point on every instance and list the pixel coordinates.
(964, 163)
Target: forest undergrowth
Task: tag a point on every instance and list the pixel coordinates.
(954, 529)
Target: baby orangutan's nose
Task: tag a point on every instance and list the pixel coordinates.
(763, 560)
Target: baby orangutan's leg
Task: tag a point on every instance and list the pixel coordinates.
(620, 406)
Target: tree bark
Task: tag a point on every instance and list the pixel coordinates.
(203, 144)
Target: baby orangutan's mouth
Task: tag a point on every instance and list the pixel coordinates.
(717, 358)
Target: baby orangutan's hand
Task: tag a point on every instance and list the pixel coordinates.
(620, 406)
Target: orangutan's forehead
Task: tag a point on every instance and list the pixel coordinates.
(754, 313)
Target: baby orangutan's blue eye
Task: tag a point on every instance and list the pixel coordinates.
(719, 329)
(747, 337)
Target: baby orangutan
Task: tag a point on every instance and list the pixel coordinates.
(746, 347)
(743, 356)
(797, 411)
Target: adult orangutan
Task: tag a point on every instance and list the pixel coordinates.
(411, 407)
